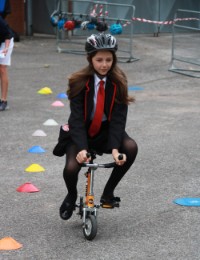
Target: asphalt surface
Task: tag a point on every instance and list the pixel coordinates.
(165, 123)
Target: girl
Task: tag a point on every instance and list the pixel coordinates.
(99, 101)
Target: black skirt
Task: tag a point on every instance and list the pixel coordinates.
(97, 143)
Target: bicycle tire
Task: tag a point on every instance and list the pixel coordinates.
(90, 227)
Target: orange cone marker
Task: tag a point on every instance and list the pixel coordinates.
(8, 243)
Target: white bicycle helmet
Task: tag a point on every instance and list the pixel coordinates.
(101, 41)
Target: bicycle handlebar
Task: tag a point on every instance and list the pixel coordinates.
(101, 165)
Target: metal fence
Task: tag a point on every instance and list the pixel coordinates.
(82, 10)
(185, 58)
(156, 10)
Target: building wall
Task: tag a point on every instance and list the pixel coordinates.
(41, 11)
(16, 19)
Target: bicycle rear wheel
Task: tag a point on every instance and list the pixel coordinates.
(90, 227)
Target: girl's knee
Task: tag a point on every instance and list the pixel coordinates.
(135, 147)
(131, 150)
(71, 168)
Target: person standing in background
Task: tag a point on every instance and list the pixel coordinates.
(6, 48)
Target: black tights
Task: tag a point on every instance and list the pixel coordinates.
(72, 168)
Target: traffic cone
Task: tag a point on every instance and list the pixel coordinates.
(8, 243)
(36, 149)
(136, 88)
(27, 187)
(57, 103)
(39, 133)
(45, 91)
(62, 95)
(35, 168)
(50, 122)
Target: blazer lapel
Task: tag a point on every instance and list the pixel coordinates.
(89, 100)
(110, 97)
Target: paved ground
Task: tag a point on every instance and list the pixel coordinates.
(165, 123)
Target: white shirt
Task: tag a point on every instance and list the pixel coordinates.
(96, 88)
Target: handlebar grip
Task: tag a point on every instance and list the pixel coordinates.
(120, 156)
(88, 155)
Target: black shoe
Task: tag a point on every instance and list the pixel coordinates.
(3, 105)
(67, 207)
(109, 202)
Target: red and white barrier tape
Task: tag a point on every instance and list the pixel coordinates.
(95, 14)
(164, 22)
(106, 13)
(100, 10)
(94, 11)
(126, 23)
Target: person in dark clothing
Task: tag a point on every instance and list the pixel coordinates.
(4, 13)
(6, 48)
(93, 126)
(7, 9)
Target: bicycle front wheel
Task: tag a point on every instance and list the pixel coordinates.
(90, 227)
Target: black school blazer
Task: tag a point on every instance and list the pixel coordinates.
(5, 32)
(80, 118)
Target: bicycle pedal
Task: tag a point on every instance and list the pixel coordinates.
(107, 206)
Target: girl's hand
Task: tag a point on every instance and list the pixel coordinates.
(5, 50)
(115, 154)
(82, 157)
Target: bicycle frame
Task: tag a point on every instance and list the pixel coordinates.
(88, 209)
(89, 205)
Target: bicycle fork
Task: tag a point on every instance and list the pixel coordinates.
(89, 206)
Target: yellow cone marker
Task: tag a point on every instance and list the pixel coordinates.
(35, 168)
(45, 91)
(8, 243)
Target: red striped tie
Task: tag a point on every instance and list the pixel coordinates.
(97, 119)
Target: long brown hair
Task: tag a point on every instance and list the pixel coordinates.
(77, 80)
